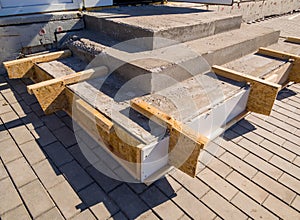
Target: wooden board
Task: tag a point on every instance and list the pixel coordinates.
(295, 40)
(23, 68)
(294, 74)
(262, 94)
(185, 144)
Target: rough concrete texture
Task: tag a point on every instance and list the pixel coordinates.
(177, 23)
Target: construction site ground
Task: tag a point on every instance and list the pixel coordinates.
(253, 171)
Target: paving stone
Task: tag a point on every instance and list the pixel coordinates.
(297, 161)
(29, 99)
(264, 166)
(106, 158)
(148, 215)
(21, 134)
(248, 187)
(296, 203)
(230, 135)
(214, 149)
(48, 174)
(9, 198)
(11, 119)
(291, 182)
(66, 136)
(286, 166)
(98, 201)
(261, 123)
(270, 136)
(4, 107)
(9, 151)
(194, 185)
(20, 89)
(52, 214)
(251, 208)
(83, 154)
(238, 165)
(288, 136)
(66, 199)
(255, 149)
(17, 213)
(222, 207)
(191, 205)
(295, 148)
(20, 171)
(168, 185)
(75, 175)
(274, 187)
(217, 183)
(44, 136)
(233, 148)
(4, 134)
(52, 122)
(32, 121)
(58, 154)
(278, 150)
(161, 204)
(128, 201)
(118, 216)
(107, 183)
(11, 97)
(3, 173)
(85, 215)
(281, 209)
(36, 198)
(32, 152)
(282, 124)
(219, 167)
(21, 109)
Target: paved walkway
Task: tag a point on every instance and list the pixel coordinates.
(253, 172)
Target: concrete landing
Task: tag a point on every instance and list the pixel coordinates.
(177, 23)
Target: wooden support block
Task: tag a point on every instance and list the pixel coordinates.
(50, 93)
(185, 143)
(294, 74)
(295, 40)
(23, 68)
(262, 94)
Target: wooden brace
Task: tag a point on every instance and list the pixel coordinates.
(262, 94)
(185, 143)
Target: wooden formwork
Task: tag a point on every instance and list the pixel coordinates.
(53, 95)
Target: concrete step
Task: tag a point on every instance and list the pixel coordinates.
(177, 61)
(176, 23)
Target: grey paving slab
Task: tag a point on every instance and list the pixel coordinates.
(9, 198)
(75, 175)
(19, 212)
(128, 201)
(98, 201)
(36, 198)
(32, 152)
(44, 136)
(58, 154)
(66, 199)
(51, 214)
(48, 174)
(9, 151)
(20, 172)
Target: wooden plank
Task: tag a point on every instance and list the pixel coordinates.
(262, 94)
(70, 79)
(294, 74)
(23, 68)
(95, 115)
(50, 93)
(277, 54)
(295, 40)
(185, 143)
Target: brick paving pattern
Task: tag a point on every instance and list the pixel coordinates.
(253, 170)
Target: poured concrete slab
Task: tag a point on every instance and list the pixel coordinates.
(177, 23)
